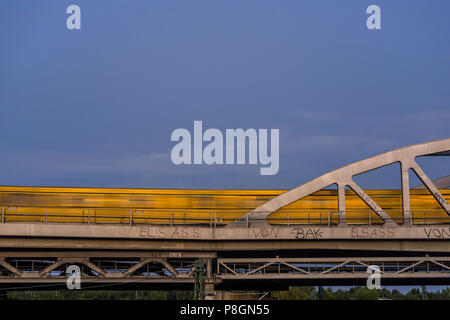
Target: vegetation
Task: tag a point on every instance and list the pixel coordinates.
(294, 293)
(101, 295)
(360, 293)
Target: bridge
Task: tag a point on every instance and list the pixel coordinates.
(248, 239)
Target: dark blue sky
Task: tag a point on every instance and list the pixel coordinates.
(96, 106)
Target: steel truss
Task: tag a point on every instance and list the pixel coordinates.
(317, 269)
(175, 268)
(97, 268)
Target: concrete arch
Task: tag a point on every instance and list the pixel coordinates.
(343, 177)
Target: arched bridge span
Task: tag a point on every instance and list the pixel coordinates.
(343, 178)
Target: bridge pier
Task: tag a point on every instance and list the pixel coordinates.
(210, 293)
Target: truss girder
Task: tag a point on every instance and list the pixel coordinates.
(343, 178)
(317, 268)
(224, 269)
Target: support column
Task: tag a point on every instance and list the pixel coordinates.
(430, 186)
(199, 280)
(210, 293)
(341, 203)
(406, 204)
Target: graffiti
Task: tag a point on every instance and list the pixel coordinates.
(368, 200)
(173, 233)
(437, 233)
(149, 232)
(262, 233)
(307, 233)
(372, 233)
(440, 198)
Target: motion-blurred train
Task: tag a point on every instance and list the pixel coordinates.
(218, 207)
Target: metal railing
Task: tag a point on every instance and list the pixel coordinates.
(132, 216)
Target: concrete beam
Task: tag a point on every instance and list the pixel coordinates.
(197, 233)
(425, 246)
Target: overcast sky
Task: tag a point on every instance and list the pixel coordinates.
(97, 106)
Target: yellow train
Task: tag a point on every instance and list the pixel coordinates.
(175, 206)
